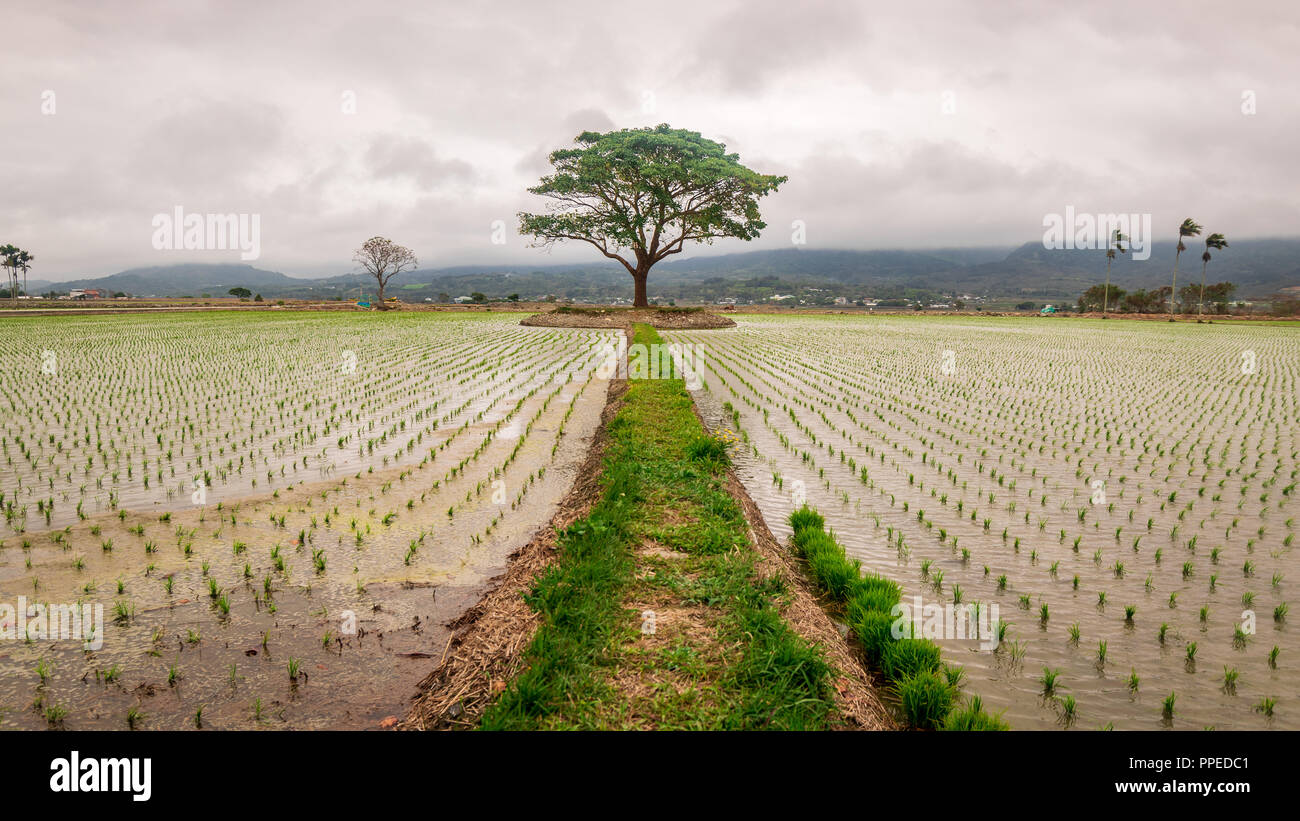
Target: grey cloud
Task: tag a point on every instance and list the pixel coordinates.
(396, 157)
(236, 107)
(536, 161)
(207, 143)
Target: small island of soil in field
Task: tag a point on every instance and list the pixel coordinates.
(568, 316)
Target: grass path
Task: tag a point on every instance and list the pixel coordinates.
(659, 613)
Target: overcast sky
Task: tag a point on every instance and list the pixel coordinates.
(917, 124)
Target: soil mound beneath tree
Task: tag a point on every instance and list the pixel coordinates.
(568, 316)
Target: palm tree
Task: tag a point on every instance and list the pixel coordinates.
(9, 259)
(24, 261)
(1215, 241)
(1189, 228)
(1116, 243)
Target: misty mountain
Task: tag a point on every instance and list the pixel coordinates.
(1259, 267)
(185, 279)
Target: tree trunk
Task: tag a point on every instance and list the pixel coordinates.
(380, 300)
(1173, 289)
(639, 276)
(1200, 303)
(1105, 296)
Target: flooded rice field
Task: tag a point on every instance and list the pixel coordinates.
(1121, 492)
(265, 520)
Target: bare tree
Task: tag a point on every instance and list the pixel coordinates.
(384, 259)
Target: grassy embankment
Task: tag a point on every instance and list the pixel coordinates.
(665, 536)
(927, 689)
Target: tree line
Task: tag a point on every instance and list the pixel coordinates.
(15, 261)
(1103, 297)
(1217, 298)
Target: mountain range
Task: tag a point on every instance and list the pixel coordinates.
(1259, 268)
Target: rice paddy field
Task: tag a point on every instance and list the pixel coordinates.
(1123, 492)
(277, 512)
(280, 512)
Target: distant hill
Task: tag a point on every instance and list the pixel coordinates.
(1259, 267)
(180, 280)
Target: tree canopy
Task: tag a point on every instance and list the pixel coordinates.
(15, 260)
(640, 195)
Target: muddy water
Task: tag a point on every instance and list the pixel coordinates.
(111, 412)
(1049, 408)
(348, 578)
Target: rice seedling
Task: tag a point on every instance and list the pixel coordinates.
(1230, 676)
(1069, 709)
(123, 612)
(55, 714)
(1167, 706)
(1050, 679)
(1016, 650)
(1239, 637)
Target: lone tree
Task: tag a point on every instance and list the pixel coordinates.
(640, 195)
(241, 292)
(384, 259)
